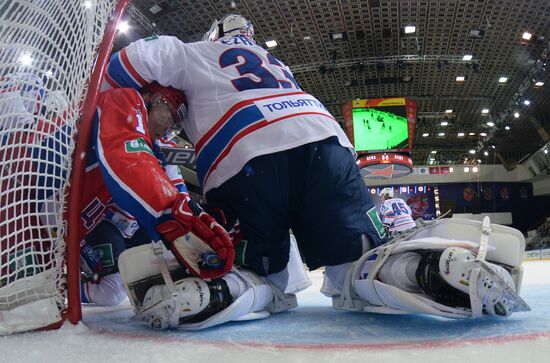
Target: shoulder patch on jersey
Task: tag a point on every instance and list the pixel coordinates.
(376, 222)
(137, 145)
(152, 37)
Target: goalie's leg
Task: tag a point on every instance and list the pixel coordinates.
(197, 304)
(437, 276)
(193, 303)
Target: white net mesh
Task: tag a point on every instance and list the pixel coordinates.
(47, 53)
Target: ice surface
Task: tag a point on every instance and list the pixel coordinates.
(311, 333)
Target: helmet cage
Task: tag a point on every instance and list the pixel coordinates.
(231, 24)
(178, 116)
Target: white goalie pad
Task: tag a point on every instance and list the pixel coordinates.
(141, 269)
(139, 263)
(366, 293)
(506, 244)
(250, 305)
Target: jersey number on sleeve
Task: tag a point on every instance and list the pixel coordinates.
(255, 73)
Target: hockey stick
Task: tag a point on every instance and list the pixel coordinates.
(179, 156)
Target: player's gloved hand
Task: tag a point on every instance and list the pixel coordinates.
(90, 259)
(197, 240)
(231, 225)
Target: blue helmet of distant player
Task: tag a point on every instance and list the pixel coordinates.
(229, 25)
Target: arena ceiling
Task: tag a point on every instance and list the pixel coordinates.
(342, 50)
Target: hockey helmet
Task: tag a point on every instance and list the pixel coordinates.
(229, 25)
(174, 99)
(386, 192)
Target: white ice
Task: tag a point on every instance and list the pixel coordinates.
(312, 333)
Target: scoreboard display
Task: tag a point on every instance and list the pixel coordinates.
(380, 124)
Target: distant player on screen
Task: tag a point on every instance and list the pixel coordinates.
(394, 212)
(268, 154)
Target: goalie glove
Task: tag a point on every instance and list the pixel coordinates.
(197, 241)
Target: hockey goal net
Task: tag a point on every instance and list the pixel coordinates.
(52, 56)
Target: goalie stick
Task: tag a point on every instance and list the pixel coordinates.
(179, 156)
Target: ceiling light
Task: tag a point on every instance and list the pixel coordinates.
(449, 111)
(502, 79)
(434, 151)
(460, 134)
(475, 169)
(155, 9)
(526, 102)
(482, 134)
(409, 29)
(472, 151)
(425, 134)
(467, 57)
(441, 134)
(526, 36)
(466, 169)
(123, 26)
(476, 33)
(460, 78)
(472, 134)
(271, 43)
(485, 111)
(87, 4)
(307, 37)
(25, 59)
(444, 123)
(516, 114)
(507, 128)
(485, 153)
(493, 147)
(339, 36)
(545, 151)
(539, 84)
(490, 124)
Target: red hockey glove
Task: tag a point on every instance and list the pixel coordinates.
(197, 240)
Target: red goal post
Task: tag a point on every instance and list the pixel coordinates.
(53, 56)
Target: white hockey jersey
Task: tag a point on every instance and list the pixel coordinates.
(397, 214)
(242, 101)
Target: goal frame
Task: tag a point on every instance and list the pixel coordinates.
(73, 312)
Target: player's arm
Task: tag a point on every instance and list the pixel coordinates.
(146, 60)
(140, 186)
(128, 164)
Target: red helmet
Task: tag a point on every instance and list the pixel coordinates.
(174, 99)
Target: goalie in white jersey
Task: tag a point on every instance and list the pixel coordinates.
(268, 154)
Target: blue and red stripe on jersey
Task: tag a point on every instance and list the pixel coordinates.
(121, 73)
(242, 119)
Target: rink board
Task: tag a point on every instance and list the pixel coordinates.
(315, 325)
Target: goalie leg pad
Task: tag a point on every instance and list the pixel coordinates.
(365, 290)
(448, 276)
(254, 294)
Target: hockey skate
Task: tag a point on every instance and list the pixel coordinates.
(194, 298)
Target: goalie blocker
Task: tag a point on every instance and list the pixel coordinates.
(451, 268)
(164, 295)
